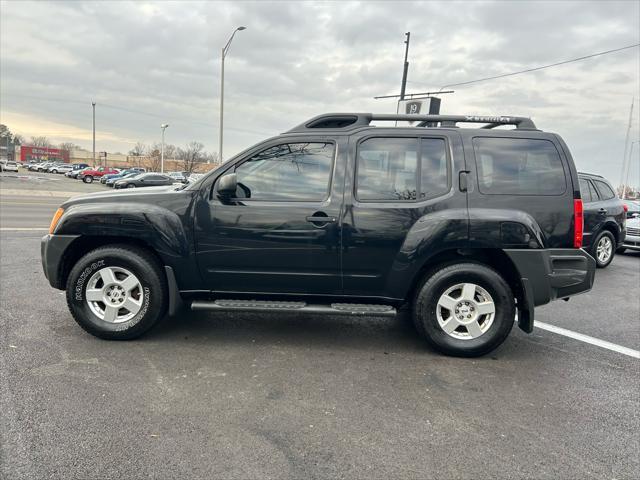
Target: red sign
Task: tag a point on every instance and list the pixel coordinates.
(29, 153)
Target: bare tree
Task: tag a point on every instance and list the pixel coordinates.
(210, 157)
(40, 142)
(170, 151)
(68, 146)
(18, 139)
(191, 156)
(139, 150)
(154, 160)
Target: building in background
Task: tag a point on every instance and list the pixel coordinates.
(29, 153)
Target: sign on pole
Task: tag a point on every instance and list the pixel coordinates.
(422, 106)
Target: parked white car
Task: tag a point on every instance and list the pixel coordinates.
(10, 167)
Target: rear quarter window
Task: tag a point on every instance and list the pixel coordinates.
(605, 190)
(518, 166)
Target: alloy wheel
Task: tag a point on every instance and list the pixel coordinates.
(465, 311)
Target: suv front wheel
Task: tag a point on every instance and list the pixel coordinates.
(117, 292)
(464, 309)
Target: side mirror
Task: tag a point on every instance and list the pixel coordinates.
(227, 185)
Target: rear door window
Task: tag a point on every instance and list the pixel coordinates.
(585, 191)
(402, 169)
(518, 166)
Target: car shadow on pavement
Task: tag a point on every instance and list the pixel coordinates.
(310, 330)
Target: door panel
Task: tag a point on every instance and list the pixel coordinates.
(402, 204)
(264, 240)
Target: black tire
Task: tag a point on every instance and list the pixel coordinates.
(131, 185)
(140, 263)
(593, 251)
(437, 283)
(88, 179)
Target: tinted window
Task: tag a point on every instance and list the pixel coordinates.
(387, 169)
(293, 171)
(585, 192)
(402, 169)
(518, 166)
(605, 190)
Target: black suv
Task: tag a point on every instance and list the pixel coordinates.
(466, 226)
(604, 218)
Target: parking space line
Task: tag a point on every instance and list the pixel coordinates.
(24, 229)
(587, 339)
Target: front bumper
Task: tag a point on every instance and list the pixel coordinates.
(52, 250)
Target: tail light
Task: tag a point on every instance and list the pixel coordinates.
(625, 207)
(578, 222)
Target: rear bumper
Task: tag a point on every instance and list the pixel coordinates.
(554, 273)
(52, 249)
(547, 275)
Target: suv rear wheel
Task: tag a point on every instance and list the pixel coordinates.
(117, 292)
(603, 248)
(465, 310)
(88, 179)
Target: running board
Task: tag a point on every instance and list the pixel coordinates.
(302, 307)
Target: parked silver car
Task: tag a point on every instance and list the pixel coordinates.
(632, 239)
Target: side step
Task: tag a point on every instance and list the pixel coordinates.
(303, 307)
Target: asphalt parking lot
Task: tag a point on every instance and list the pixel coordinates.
(287, 396)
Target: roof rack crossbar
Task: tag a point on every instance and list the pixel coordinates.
(350, 121)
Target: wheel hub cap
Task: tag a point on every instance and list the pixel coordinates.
(605, 247)
(465, 311)
(114, 294)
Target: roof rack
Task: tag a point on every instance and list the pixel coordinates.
(351, 121)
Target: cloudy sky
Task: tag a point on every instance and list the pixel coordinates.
(147, 63)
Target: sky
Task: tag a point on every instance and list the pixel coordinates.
(148, 63)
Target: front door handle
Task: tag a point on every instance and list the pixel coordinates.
(321, 219)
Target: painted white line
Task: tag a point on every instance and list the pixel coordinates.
(24, 229)
(587, 339)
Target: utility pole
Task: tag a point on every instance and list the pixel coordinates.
(224, 52)
(405, 70)
(626, 150)
(163, 127)
(628, 168)
(93, 105)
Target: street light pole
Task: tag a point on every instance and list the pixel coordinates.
(163, 127)
(93, 105)
(224, 52)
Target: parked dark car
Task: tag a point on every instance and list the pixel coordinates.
(464, 226)
(111, 181)
(123, 173)
(145, 180)
(604, 218)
